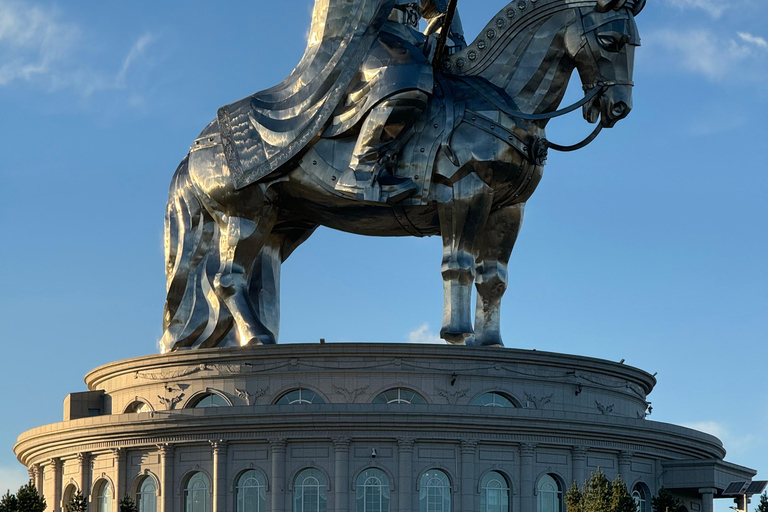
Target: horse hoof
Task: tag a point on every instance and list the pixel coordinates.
(455, 338)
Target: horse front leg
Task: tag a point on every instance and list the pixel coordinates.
(491, 280)
(461, 221)
(240, 246)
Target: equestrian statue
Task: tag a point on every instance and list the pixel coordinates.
(385, 130)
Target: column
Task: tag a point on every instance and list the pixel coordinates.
(56, 467)
(468, 483)
(527, 497)
(219, 475)
(36, 474)
(579, 461)
(341, 473)
(278, 446)
(85, 474)
(166, 491)
(120, 459)
(625, 468)
(707, 499)
(405, 473)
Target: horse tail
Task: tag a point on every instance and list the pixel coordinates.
(194, 317)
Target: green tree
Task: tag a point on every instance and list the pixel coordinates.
(621, 501)
(29, 499)
(9, 503)
(597, 493)
(763, 505)
(77, 503)
(666, 502)
(128, 505)
(573, 499)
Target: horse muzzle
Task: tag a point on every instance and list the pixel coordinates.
(610, 107)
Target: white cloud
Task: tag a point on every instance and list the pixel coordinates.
(39, 48)
(734, 443)
(714, 8)
(704, 52)
(756, 40)
(11, 478)
(422, 334)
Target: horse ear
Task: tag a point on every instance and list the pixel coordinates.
(607, 5)
(639, 4)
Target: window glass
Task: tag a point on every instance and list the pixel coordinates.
(300, 396)
(640, 497)
(494, 495)
(146, 497)
(138, 406)
(550, 495)
(493, 400)
(210, 400)
(196, 493)
(310, 491)
(251, 492)
(372, 491)
(434, 492)
(399, 396)
(104, 498)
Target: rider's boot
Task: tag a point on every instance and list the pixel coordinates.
(371, 169)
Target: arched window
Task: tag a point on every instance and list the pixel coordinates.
(251, 492)
(209, 400)
(104, 495)
(550, 494)
(137, 407)
(640, 495)
(399, 396)
(300, 396)
(494, 496)
(69, 493)
(434, 492)
(146, 495)
(493, 400)
(310, 491)
(196, 493)
(372, 491)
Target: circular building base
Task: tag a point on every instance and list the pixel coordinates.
(338, 425)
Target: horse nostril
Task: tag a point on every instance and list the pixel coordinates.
(619, 109)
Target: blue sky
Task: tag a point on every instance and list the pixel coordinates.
(650, 245)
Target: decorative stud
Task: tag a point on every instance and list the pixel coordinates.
(481, 44)
(511, 14)
(490, 34)
(472, 55)
(522, 5)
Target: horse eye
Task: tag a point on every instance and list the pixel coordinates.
(609, 43)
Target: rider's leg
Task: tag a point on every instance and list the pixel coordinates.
(387, 121)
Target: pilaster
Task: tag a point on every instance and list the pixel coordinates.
(405, 473)
(84, 458)
(57, 467)
(579, 462)
(166, 478)
(468, 484)
(527, 497)
(120, 460)
(625, 467)
(220, 451)
(341, 473)
(278, 448)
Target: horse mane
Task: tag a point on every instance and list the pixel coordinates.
(507, 25)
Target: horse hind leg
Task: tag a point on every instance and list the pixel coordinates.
(461, 221)
(491, 279)
(243, 244)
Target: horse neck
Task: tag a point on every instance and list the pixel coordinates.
(534, 67)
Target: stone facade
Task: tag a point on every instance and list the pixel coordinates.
(143, 422)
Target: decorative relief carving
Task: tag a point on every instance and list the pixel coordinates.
(405, 444)
(451, 398)
(170, 403)
(341, 444)
(604, 409)
(352, 395)
(535, 402)
(251, 398)
(166, 376)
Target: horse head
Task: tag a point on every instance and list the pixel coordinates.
(602, 47)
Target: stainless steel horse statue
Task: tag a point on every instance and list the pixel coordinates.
(251, 190)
